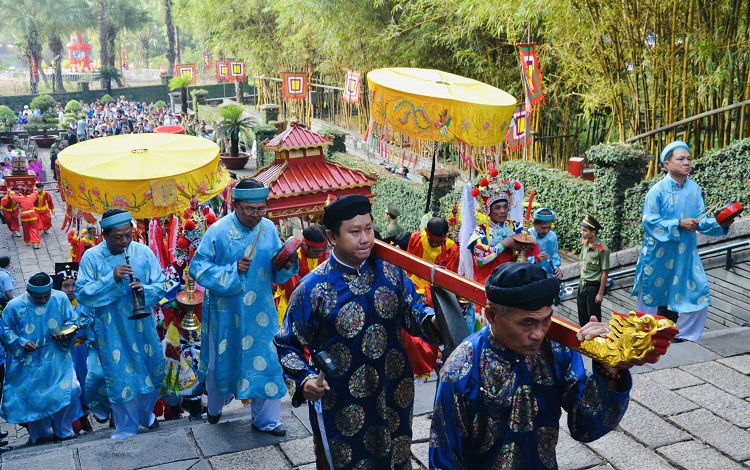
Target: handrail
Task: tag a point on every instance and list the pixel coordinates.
(677, 124)
(727, 265)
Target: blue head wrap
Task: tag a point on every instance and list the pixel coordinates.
(116, 220)
(250, 194)
(39, 289)
(677, 144)
(544, 217)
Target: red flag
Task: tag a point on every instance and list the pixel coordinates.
(294, 85)
(236, 70)
(222, 70)
(532, 76)
(518, 133)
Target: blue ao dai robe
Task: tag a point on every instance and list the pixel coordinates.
(39, 383)
(130, 352)
(356, 316)
(548, 245)
(497, 409)
(669, 271)
(239, 313)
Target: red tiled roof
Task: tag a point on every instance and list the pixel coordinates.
(296, 137)
(302, 176)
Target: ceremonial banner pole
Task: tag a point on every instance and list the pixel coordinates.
(635, 339)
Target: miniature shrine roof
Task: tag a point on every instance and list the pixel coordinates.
(300, 176)
(296, 137)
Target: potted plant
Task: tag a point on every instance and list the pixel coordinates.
(199, 95)
(181, 83)
(232, 126)
(160, 105)
(107, 99)
(8, 119)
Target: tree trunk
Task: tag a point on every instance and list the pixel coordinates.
(57, 48)
(170, 35)
(184, 102)
(146, 48)
(103, 44)
(177, 44)
(238, 91)
(234, 150)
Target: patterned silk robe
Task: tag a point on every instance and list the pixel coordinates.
(239, 313)
(128, 351)
(499, 410)
(356, 317)
(37, 383)
(669, 271)
(489, 253)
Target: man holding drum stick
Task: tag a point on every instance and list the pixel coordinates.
(234, 264)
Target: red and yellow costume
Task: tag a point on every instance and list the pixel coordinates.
(29, 221)
(10, 212)
(284, 291)
(423, 355)
(79, 244)
(44, 207)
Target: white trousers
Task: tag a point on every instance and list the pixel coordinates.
(60, 423)
(131, 414)
(690, 324)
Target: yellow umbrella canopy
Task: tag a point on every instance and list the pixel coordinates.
(150, 175)
(439, 106)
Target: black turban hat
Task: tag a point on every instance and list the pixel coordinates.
(521, 285)
(345, 208)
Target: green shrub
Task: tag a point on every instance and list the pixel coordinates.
(339, 141)
(617, 168)
(724, 174)
(43, 103)
(408, 196)
(106, 99)
(7, 118)
(73, 106)
(263, 132)
(200, 93)
(158, 105)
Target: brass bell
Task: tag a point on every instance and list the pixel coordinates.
(188, 299)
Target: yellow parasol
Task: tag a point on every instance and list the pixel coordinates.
(150, 175)
(436, 106)
(440, 106)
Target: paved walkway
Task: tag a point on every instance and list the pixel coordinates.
(689, 411)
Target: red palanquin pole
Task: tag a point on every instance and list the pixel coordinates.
(561, 330)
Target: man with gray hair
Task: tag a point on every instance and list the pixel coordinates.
(501, 391)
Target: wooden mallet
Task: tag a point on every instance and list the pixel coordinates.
(325, 365)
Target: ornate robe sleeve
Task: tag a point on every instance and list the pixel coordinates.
(94, 289)
(291, 340)
(13, 342)
(593, 410)
(449, 436)
(220, 279)
(417, 316)
(479, 244)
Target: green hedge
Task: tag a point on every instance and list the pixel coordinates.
(408, 196)
(617, 168)
(724, 174)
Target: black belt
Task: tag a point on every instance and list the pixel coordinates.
(592, 283)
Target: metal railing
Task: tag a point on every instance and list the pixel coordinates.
(727, 264)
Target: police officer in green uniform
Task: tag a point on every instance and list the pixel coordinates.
(393, 228)
(594, 271)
